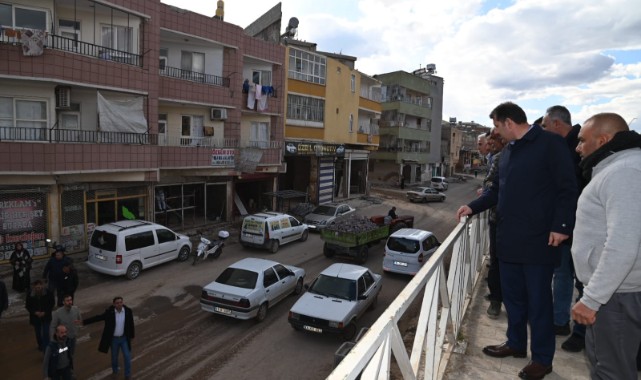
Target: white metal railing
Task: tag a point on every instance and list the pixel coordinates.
(445, 300)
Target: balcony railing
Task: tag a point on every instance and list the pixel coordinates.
(75, 136)
(193, 76)
(203, 141)
(91, 50)
(264, 144)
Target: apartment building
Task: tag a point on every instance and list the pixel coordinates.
(331, 125)
(410, 127)
(119, 109)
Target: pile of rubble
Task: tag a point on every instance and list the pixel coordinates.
(353, 224)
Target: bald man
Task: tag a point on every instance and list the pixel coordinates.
(607, 246)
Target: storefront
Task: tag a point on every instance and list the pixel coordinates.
(24, 218)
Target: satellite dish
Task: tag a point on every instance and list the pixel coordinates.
(292, 27)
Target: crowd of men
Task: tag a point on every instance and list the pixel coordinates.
(564, 214)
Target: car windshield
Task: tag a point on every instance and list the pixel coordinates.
(240, 278)
(104, 240)
(325, 210)
(334, 287)
(402, 245)
(437, 179)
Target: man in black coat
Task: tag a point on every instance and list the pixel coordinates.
(117, 334)
(40, 304)
(535, 195)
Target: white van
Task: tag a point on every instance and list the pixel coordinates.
(439, 183)
(129, 246)
(270, 230)
(408, 249)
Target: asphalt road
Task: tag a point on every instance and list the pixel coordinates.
(176, 340)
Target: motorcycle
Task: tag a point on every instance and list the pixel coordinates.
(208, 248)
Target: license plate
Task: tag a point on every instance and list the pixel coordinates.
(312, 329)
(400, 263)
(221, 310)
(100, 257)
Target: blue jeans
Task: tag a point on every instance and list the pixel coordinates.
(120, 343)
(41, 328)
(563, 287)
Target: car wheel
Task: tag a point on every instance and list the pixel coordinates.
(262, 312)
(273, 248)
(328, 252)
(183, 254)
(442, 199)
(134, 270)
(349, 332)
(299, 287)
(218, 252)
(304, 236)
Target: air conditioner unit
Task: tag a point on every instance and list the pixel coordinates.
(63, 97)
(218, 114)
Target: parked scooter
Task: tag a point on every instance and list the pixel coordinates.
(210, 248)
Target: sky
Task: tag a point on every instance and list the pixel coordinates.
(583, 54)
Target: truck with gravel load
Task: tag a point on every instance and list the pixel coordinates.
(353, 235)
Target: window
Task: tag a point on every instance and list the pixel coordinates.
(262, 77)
(104, 240)
(191, 61)
(259, 135)
(21, 17)
(139, 240)
(192, 130)
(165, 236)
(353, 82)
(305, 108)
(351, 122)
(162, 64)
(117, 37)
(269, 278)
(70, 29)
(282, 271)
(69, 120)
(23, 113)
(307, 66)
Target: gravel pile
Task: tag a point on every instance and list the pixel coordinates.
(353, 224)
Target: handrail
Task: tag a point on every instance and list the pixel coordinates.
(446, 297)
(92, 50)
(193, 76)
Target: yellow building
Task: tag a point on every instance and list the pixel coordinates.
(331, 125)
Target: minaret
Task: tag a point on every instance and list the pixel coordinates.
(220, 10)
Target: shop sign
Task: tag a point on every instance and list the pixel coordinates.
(316, 149)
(23, 219)
(223, 157)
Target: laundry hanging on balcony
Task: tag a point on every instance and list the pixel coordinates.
(33, 42)
(121, 113)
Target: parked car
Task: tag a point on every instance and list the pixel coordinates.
(325, 214)
(336, 299)
(129, 246)
(270, 230)
(408, 249)
(425, 194)
(439, 183)
(247, 288)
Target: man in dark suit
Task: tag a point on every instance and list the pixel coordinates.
(535, 196)
(117, 334)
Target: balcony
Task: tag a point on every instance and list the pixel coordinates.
(75, 136)
(192, 76)
(90, 50)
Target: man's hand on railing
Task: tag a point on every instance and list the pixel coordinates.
(464, 210)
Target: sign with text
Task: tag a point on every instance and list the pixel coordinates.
(23, 219)
(316, 149)
(223, 157)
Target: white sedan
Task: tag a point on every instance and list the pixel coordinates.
(326, 214)
(336, 299)
(424, 194)
(247, 288)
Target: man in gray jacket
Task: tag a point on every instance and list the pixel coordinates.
(607, 246)
(69, 316)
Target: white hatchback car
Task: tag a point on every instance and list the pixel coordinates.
(247, 288)
(129, 246)
(336, 299)
(408, 249)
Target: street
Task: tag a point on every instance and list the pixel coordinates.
(175, 339)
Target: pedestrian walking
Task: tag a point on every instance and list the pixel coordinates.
(21, 263)
(54, 273)
(39, 304)
(68, 315)
(69, 282)
(58, 359)
(117, 334)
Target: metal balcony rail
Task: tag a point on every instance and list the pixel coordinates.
(444, 301)
(174, 72)
(75, 136)
(202, 141)
(91, 50)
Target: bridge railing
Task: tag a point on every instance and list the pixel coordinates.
(445, 297)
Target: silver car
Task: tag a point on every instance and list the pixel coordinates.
(247, 288)
(336, 299)
(425, 194)
(326, 214)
